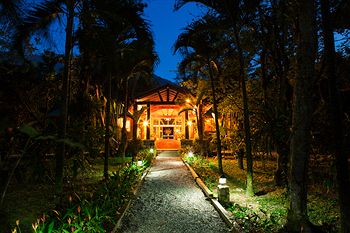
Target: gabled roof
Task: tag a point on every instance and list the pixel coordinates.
(166, 94)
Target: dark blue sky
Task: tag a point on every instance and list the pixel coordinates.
(166, 26)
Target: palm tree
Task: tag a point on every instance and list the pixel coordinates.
(271, 34)
(122, 39)
(199, 87)
(233, 13)
(198, 43)
(39, 19)
(115, 24)
(10, 11)
(138, 62)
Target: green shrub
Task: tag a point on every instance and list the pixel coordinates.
(97, 212)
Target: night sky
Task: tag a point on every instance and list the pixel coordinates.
(166, 26)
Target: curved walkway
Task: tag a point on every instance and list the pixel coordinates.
(169, 201)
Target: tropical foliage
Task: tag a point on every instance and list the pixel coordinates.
(274, 67)
(272, 75)
(71, 101)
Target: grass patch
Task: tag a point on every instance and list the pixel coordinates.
(266, 212)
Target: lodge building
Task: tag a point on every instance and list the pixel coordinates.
(164, 119)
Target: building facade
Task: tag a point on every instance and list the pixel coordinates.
(163, 118)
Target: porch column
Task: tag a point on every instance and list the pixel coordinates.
(187, 135)
(148, 132)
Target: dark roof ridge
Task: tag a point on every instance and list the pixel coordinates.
(174, 86)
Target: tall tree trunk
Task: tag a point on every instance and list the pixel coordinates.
(107, 124)
(134, 123)
(124, 139)
(337, 119)
(200, 121)
(246, 114)
(65, 98)
(203, 149)
(280, 174)
(217, 126)
(297, 220)
(283, 113)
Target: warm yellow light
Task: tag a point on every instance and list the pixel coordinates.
(145, 123)
(189, 123)
(188, 101)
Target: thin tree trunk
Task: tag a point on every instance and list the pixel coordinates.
(297, 220)
(281, 66)
(108, 122)
(341, 162)
(65, 98)
(203, 145)
(217, 126)
(200, 122)
(240, 158)
(280, 175)
(246, 114)
(124, 139)
(134, 124)
(102, 111)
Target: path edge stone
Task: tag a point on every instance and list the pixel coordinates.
(219, 208)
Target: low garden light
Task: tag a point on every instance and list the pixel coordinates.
(223, 190)
(139, 163)
(222, 180)
(151, 150)
(190, 154)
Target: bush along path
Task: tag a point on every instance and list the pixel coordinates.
(170, 201)
(96, 208)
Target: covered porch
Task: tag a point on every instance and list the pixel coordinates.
(162, 117)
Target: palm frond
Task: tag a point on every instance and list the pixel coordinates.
(10, 10)
(37, 20)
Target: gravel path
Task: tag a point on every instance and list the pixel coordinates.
(169, 201)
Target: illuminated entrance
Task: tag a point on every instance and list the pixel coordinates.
(162, 118)
(166, 126)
